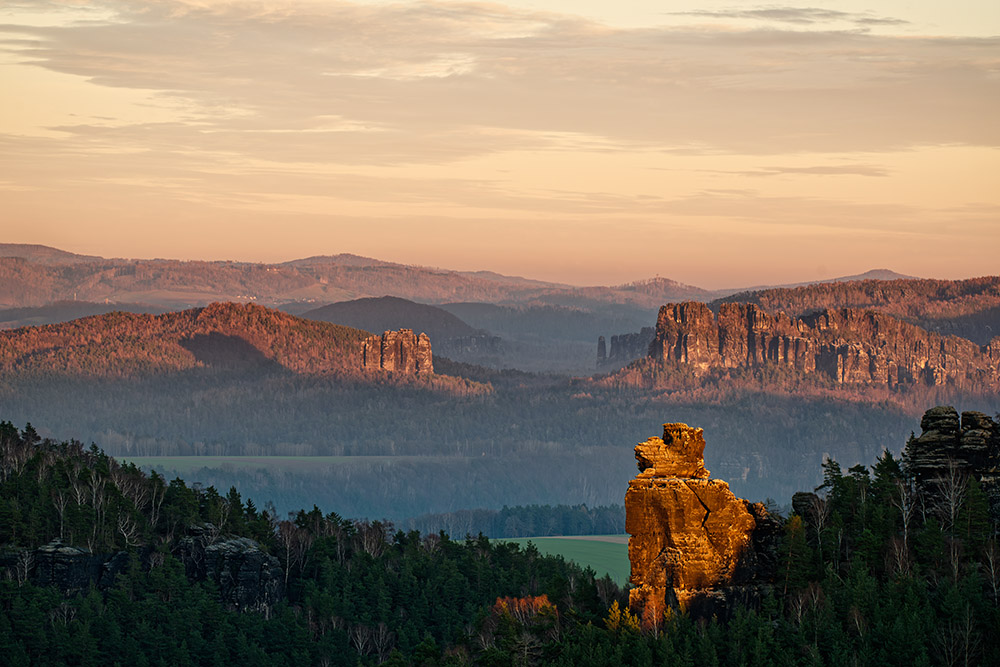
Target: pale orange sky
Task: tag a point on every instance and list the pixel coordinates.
(715, 146)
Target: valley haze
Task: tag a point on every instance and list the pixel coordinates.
(518, 409)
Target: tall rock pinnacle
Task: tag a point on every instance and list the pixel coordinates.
(692, 541)
(398, 351)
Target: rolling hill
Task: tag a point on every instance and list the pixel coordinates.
(221, 335)
(384, 313)
(37, 275)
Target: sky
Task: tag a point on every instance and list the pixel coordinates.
(719, 144)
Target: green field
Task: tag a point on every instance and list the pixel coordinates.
(185, 464)
(606, 554)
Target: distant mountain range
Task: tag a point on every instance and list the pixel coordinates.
(43, 254)
(64, 311)
(529, 324)
(392, 313)
(36, 275)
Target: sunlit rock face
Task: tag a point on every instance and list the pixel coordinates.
(848, 346)
(692, 541)
(399, 352)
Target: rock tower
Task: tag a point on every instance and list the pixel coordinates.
(693, 543)
(399, 352)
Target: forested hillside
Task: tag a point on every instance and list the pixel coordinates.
(225, 335)
(966, 308)
(244, 380)
(219, 343)
(441, 451)
(874, 570)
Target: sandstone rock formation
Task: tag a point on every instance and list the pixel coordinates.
(950, 449)
(70, 569)
(625, 348)
(692, 541)
(476, 344)
(399, 352)
(248, 578)
(846, 345)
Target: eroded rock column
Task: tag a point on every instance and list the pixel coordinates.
(688, 532)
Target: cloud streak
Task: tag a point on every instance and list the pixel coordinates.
(796, 16)
(446, 72)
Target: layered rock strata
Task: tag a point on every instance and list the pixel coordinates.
(248, 579)
(70, 569)
(951, 448)
(692, 541)
(845, 345)
(624, 348)
(399, 352)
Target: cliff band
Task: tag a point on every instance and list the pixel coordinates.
(846, 345)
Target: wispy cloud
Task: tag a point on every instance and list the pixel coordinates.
(444, 109)
(450, 75)
(796, 15)
(821, 170)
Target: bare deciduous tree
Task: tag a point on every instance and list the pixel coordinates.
(819, 509)
(296, 542)
(950, 491)
(25, 564)
(372, 537)
(127, 528)
(60, 500)
(63, 614)
(384, 640)
(361, 639)
(991, 568)
(957, 641)
(904, 499)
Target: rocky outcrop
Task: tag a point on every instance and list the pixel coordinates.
(625, 348)
(398, 352)
(845, 345)
(247, 577)
(967, 308)
(476, 344)
(693, 543)
(68, 568)
(950, 449)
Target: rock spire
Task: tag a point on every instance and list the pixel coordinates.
(693, 543)
(398, 351)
